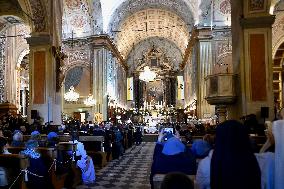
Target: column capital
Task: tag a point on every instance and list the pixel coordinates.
(257, 22)
(38, 40)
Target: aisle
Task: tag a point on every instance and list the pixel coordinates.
(131, 171)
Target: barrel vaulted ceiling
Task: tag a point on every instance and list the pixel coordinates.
(151, 23)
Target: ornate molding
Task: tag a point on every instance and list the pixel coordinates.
(257, 22)
(38, 16)
(188, 51)
(2, 68)
(105, 41)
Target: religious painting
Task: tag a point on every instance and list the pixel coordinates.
(256, 6)
(154, 91)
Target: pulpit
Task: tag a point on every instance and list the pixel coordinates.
(221, 92)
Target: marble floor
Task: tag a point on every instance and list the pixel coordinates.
(132, 170)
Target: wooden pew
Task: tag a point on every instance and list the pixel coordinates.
(98, 155)
(48, 156)
(62, 138)
(73, 173)
(158, 178)
(13, 164)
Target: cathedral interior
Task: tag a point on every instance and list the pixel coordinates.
(209, 57)
(141, 61)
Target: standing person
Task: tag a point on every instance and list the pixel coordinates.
(233, 164)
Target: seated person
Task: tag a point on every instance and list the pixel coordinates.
(176, 180)
(36, 167)
(171, 155)
(35, 135)
(98, 131)
(52, 139)
(3, 146)
(200, 148)
(85, 163)
(269, 145)
(18, 140)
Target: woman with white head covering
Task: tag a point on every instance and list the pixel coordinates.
(278, 132)
(86, 165)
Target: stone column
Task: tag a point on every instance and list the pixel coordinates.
(252, 57)
(204, 69)
(43, 96)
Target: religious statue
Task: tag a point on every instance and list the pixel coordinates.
(59, 60)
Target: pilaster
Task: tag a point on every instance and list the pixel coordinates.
(204, 69)
(43, 96)
(252, 58)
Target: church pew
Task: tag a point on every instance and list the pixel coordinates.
(94, 145)
(158, 178)
(48, 155)
(62, 138)
(12, 164)
(71, 171)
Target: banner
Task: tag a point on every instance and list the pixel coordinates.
(130, 88)
(180, 88)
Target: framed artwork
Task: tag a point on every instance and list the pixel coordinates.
(255, 6)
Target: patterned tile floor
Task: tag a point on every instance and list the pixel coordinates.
(132, 170)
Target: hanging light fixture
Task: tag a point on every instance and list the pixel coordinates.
(90, 101)
(147, 75)
(71, 95)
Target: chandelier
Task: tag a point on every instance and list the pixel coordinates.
(71, 95)
(90, 101)
(147, 75)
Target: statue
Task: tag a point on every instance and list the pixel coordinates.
(59, 60)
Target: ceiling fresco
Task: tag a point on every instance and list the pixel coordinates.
(77, 18)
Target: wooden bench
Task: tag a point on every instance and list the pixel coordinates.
(158, 179)
(48, 156)
(96, 153)
(12, 165)
(62, 138)
(72, 172)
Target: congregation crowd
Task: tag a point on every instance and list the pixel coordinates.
(226, 159)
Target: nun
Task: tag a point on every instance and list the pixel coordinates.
(171, 155)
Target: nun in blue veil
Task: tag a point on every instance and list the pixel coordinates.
(172, 156)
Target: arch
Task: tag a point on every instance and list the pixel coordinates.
(170, 49)
(35, 14)
(75, 64)
(22, 55)
(85, 73)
